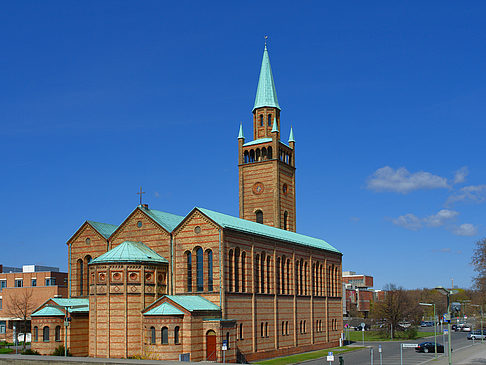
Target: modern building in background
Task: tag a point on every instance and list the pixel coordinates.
(205, 286)
(359, 293)
(30, 286)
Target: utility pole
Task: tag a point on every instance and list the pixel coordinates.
(435, 326)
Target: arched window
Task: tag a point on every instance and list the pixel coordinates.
(277, 274)
(262, 329)
(297, 277)
(300, 325)
(87, 260)
(259, 216)
(257, 273)
(164, 334)
(286, 215)
(313, 279)
(305, 329)
(45, 334)
(36, 334)
(269, 120)
(252, 156)
(264, 153)
(305, 278)
(257, 155)
(230, 268)
(287, 328)
(152, 335)
(57, 333)
(241, 331)
(243, 272)
(262, 273)
(269, 270)
(288, 276)
(301, 269)
(228, 339)
(199, 269)
(261, 120)
(209, 254)
(269, 153)
(283, 328)
(80, 276)
(283, 274)
(176, 335)
(246, 157)
(237, 271)
(189, 271)
(266, 329)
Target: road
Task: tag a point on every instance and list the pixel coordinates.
(391, 352)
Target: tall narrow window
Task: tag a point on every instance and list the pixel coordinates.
(230, 269)
(305, 278)
(176, 335)
(45, 334)
(257, 273)
(277, 274)
(285, 220)
(269, 153)
(266, 329)
(189, 271)
(283, 274)
(243, 272)
(261, 120)
(81, 276)
(288, 276)
(152, 335)
(210, 270)
(301, 268)
(36, 334)
(57, 333)
(287, 327)
(87, 260)
(269, 120)
(199, 269)
(228, 339)
(269, 270)
(283, 328)
(241, 331)
(164, 334)
(297, 277)
(262, 329)
(259, 216)
(237, 269)
(262, 274)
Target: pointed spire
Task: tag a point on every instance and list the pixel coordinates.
(240, 134)
(266, 94)
(274, 127)
(291, 137)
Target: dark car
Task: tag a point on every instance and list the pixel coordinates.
(360, 327)
(429, 347)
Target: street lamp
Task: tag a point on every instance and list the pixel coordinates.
(481, 309)
(448, 293)
(435, 326)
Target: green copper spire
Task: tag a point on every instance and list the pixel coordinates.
(240, 134)
(266, 94)
(291, 137)
(274, 127)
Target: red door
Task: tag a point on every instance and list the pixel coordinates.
(211, 346)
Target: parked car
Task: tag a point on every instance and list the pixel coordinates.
(360, 327)
(427, 324)
(466, 328)
(429, 347)
(476, 335)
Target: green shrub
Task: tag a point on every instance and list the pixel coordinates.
(411, 333)
(30, 352)
(59, 351)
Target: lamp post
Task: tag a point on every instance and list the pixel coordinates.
(435, 326)
(481, 312)
(448, 293)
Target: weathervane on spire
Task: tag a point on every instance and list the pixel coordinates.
(266, 37)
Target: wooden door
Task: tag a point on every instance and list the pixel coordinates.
(211, 354)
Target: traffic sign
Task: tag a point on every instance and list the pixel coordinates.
(330, 356)
(409, 345)
(379, 348)
(224, 346)
(446, 331)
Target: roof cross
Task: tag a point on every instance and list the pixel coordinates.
(140, 193)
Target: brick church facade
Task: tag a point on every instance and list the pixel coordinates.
(161, 286)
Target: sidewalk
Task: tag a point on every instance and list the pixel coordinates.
(469, 355)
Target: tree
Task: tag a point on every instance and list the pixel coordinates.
(20, 305)
(396, 307)
(479, 263)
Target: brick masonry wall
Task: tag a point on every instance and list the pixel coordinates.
(47, 347)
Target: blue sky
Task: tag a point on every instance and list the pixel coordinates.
(387, 102)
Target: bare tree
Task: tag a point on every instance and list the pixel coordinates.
(479, 263)
(20, 305)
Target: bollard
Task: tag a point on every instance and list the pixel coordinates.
(341, 360)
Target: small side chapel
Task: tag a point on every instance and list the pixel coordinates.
(206, 286)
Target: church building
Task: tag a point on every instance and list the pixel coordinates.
(207, 285)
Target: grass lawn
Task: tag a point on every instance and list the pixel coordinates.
(292, 359)
(357, 336)
(6, 351)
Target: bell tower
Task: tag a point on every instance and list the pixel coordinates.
(267, 165)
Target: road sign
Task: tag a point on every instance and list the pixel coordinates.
(446, 331)
(409, 345)
(330, 356)
(379, 348)
(224, 346)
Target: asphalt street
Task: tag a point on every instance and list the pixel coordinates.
(391, 352)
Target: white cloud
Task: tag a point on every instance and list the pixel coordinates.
(471, 193)
(460, 175)
(403, 181)
(466, 229)
(412, 222)
(441, 218)
(408, 221)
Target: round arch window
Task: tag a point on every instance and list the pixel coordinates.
(139, 224)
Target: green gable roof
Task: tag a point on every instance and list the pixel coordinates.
(80, 304)
(48, 311)
(167, 220)
(243, 225)
(266, 94)
(258, 141)
(165, 309)
(194, 303)
(130, 251)
(104, 229)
